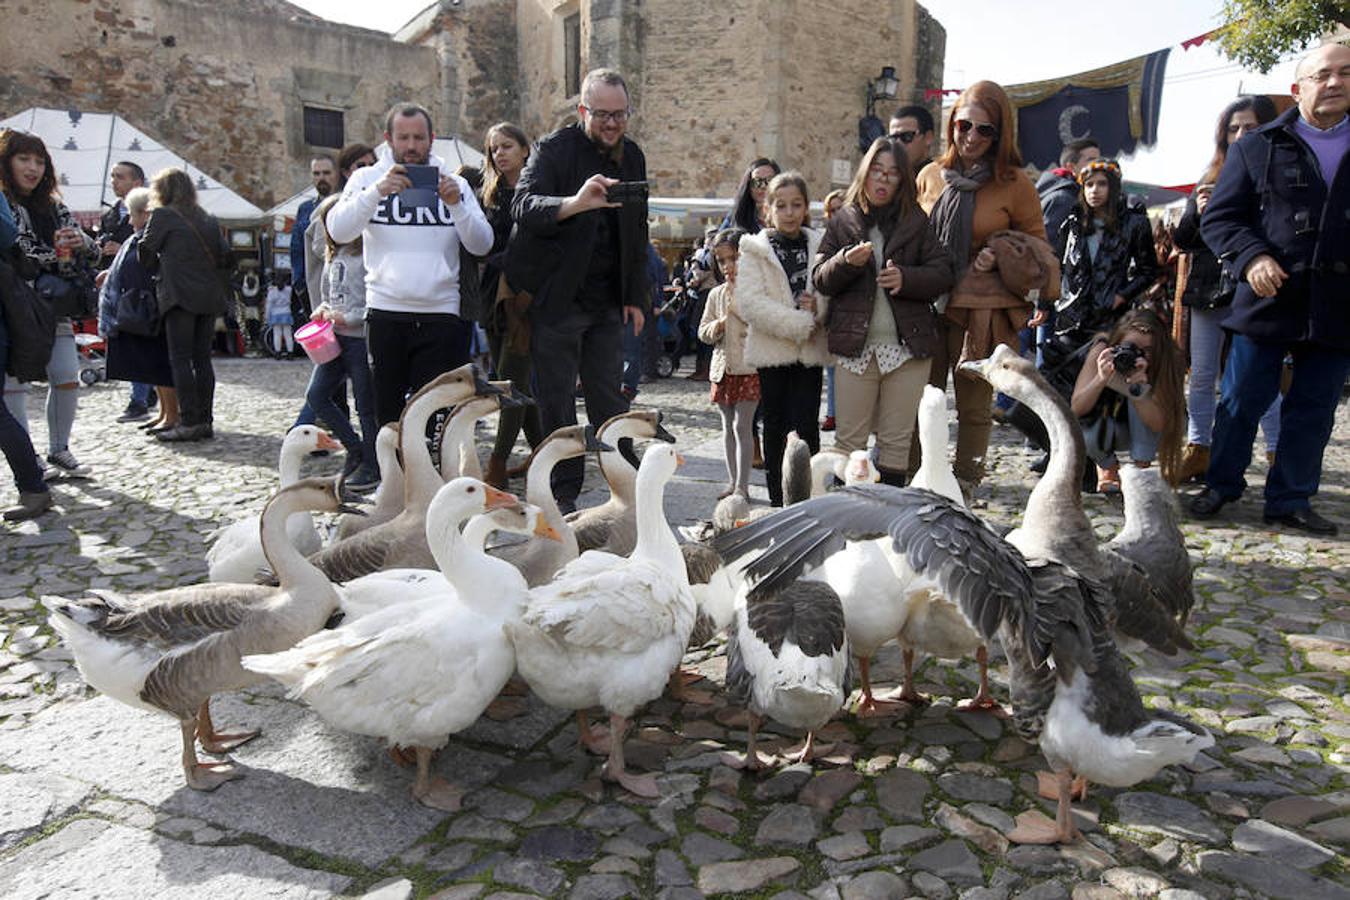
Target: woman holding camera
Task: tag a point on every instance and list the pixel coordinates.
(1128, 397)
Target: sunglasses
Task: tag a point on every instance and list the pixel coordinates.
(904, 137)
(759, 182)
(984, 129)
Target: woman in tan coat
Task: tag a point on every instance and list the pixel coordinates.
(977, 188)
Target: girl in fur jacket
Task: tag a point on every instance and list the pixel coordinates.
(785, 339)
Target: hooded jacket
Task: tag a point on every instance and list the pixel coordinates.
(1058, 190)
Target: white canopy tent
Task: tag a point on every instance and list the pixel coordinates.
(85, 146)
(452, 150)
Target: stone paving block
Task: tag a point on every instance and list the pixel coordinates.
(91, 858)
(29, 801)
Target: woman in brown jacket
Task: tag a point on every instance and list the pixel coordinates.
(976, 188)
(882, 266)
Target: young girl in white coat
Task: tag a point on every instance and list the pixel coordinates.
(785, 340)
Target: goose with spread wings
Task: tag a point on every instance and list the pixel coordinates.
(1071, 691)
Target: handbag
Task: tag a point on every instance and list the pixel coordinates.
(72, 296)
(31, 324)
(138, 313)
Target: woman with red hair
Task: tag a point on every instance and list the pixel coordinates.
(975, 189)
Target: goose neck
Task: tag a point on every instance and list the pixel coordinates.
(292, 569)
(539, 492)
(1067, 452)
(479, 580)
(420, 478)
(655, 540)
(288, 465)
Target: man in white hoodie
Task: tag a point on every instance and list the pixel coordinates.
(418, 324)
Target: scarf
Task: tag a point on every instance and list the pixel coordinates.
(953, 215)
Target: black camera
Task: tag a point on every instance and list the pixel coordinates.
(1125, 356)
(627, 192)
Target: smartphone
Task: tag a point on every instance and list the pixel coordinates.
(424, 176)
(627, 192)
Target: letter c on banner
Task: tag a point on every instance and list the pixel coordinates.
(1066, 132)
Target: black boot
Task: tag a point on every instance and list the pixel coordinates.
(1024, 420)
(893, 477)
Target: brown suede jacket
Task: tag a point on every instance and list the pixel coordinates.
(927, 272)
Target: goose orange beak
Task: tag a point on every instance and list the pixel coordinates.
(544, 530)
(679, 459)
(499, 499)
(326, 442)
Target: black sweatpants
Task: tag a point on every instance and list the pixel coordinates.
(409, 349)
(789, 401)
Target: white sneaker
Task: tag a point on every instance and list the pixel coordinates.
(64, 463)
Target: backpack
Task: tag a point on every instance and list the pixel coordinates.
(31, 323)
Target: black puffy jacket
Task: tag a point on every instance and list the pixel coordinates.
(1126, 264)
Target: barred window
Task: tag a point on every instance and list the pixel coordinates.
(572, 54)
(323, 127)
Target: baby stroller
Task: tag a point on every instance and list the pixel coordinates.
(93, 350)
(670, 334)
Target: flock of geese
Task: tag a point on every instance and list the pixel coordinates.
(422, 608)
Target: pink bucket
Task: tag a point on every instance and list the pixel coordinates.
(319, 341)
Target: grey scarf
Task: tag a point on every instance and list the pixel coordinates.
(953, 215)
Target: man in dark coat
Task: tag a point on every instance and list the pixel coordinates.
(323, 170)
(113, 230)
(1280, 215)
(584, 260)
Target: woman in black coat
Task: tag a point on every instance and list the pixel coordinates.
(184, 244)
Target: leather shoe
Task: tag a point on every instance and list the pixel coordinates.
(1303, 520)
(1207, 503)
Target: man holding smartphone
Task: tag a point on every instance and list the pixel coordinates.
(580, 248)
(413, 213)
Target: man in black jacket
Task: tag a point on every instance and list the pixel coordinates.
(113, 230)
(1280, 216)
(584, 260)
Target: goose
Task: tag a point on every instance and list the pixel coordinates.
(401, 542)
(171, 650)
(1071, 691)
(609, 630)
(416, 672)
(612, 526)
(540, 560)
(1151, 538)
(1054, 525)
(846, 467)
(459, 453)
(236, 554)
(388, 498)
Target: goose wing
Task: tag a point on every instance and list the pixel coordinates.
(807, 613)
(173, 618)
(1139, 610)
(592, 531)
(625, 608)
(982, 574)
(367, 552)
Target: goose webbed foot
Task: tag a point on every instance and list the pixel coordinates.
(593, 739)
(1034, 827)
(614, 769)
(907, 692)
(202, 776)
(678, 687)
(402, 757)
(431, 790)
(983, 701)
(809, 750)
(214, 742)
(1047, 785)
(870, 707)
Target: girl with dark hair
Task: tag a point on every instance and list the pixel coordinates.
(1209, 291)
(1109, 258)
(184, 244)
(507, 149)
(735, 385)
(882, 266)
(973, 190)
(50, 242)
(1144, 410)
(747, 209)
(784, 340)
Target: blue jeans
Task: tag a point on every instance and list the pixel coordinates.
(323, 382)
(829, 392)
(1138, 438)
(14, 440)
(1250, 383)
(140, 393)
(1206, 348)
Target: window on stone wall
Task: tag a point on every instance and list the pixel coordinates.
(323, 127)
(572, 54)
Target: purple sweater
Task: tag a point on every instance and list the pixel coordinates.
(1329, 146)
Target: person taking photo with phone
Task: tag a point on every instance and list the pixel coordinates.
(580, 250)
(412, 214)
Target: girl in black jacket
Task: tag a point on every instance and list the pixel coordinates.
(1109, 260)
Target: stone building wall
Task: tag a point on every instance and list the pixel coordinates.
(223, 84)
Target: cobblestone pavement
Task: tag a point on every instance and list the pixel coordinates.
(92, 801)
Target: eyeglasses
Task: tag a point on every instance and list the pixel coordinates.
(759, 182)
(617, 116)
(983, 129)
(904, 137)
(879, 174)
(1322, 76)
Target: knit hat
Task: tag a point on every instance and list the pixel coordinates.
(1110, 167)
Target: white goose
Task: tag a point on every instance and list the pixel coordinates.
(610, 630)
(388, 498)
(401, 542)
(1070, 689)
(459, 453)
(612, 526)
(832, 463)
(236, 552)
(171, 650)
(415, 672)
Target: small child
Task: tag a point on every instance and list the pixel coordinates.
(735, 385)
(278, 313)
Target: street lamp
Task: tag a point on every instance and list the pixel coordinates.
(884, 87)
